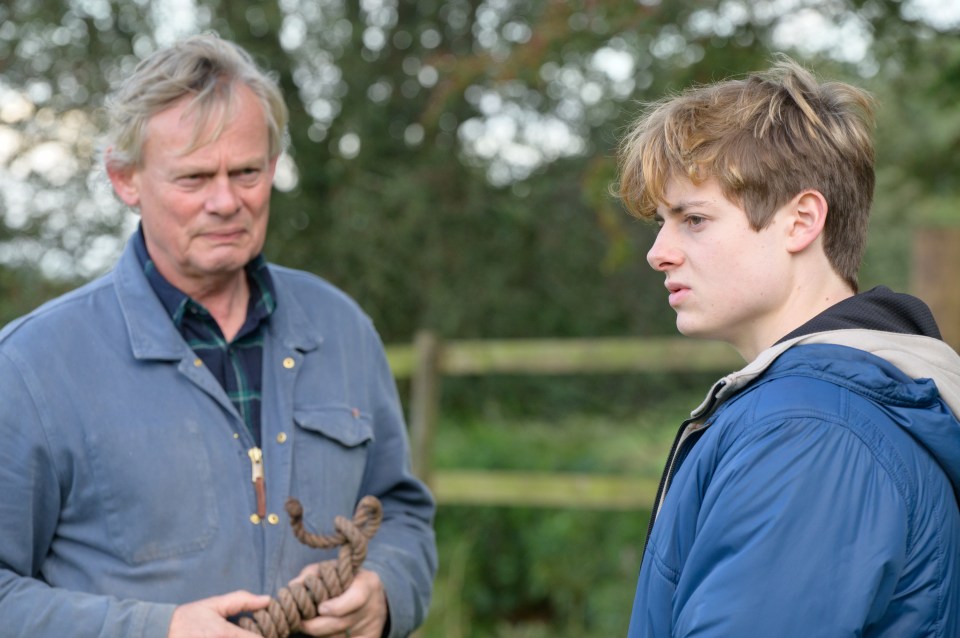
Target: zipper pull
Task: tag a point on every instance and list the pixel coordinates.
(256, 463)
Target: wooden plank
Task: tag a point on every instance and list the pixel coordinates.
(573, 356)
(424, 402)
(936, 262)
(541, 489)
(580, 356)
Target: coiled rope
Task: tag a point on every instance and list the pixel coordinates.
(299, 602)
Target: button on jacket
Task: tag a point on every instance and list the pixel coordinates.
(125, 475)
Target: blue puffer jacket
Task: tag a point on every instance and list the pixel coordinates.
(814, 494)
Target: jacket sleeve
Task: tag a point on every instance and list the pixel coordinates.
(403, 553)
(35, 486)
(802, 531)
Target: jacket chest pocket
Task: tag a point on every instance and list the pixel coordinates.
(155, 486)
(330, 450)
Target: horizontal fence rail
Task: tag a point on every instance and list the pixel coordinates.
(564, 356)
(429, 359)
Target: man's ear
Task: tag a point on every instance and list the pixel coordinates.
(807, 217)
(124, 180)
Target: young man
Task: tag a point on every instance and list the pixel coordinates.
(154, 422)
(814, 492)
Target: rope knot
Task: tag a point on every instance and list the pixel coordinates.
(299, 602)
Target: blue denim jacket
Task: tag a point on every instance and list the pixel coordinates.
(125, 483)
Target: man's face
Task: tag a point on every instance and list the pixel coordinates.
(726, 281)
(204, 213)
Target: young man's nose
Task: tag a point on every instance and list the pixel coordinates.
(663, 254)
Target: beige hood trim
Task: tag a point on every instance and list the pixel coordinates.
(916, 356)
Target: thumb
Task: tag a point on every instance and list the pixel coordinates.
(238, 601)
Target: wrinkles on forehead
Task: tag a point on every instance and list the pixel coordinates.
(208, 113)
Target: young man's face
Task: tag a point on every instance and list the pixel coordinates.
(726, 281)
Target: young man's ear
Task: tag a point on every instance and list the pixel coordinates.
(124, 181)
(808, 216)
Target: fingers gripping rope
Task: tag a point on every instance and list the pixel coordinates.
(298, 603)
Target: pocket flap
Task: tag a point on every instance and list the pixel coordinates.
(345, 425)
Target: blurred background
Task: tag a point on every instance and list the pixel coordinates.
(450, 167)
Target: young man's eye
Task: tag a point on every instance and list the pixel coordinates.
(695, 220)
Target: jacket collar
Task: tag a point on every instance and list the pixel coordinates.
(153, 334)
(894, 326)
(290, 322)
(917, 356)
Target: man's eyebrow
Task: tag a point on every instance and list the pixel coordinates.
(679, 209)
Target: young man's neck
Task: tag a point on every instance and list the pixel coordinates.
(805, 303)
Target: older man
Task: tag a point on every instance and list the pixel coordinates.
(155, 421)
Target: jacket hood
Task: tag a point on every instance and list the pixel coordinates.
(919, 356)
(876, 309)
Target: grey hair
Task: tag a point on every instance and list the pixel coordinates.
(207, 69)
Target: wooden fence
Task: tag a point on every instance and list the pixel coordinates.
(936, 261)
(934, 267)
(429, 359)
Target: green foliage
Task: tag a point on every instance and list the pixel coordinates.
(24, 288)
(453, 158)
(524, 572)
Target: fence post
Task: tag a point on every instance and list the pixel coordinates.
(424, 401)
(933, 277)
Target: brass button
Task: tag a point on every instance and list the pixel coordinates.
(236, 436)
(254, 519)
(288, 363)
(197, 362)
(281, 437)
(273, 519)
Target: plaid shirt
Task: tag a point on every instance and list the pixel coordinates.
(238, 364)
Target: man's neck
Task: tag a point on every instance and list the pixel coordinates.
(227, 303)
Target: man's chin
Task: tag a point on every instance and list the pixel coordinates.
(692, 330)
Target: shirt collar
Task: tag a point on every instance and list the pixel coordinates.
(263, 297)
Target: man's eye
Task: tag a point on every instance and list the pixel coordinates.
(248, 174)
(695, 220)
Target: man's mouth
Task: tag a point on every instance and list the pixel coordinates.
(678, 292)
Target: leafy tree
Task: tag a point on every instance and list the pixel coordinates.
(450, 162)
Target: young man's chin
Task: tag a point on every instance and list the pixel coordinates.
(694, 331)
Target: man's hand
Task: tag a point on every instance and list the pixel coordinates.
(207, 618)
(360, 612)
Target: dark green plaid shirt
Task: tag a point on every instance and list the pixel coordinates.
(238, 364)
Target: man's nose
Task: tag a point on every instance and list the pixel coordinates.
(222, 197)
(664, 254)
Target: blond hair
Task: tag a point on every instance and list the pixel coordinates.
(204, 67)
(764, 139)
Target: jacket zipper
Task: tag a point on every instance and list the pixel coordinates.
(679, 442)
(665, 479)
(259, 487)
